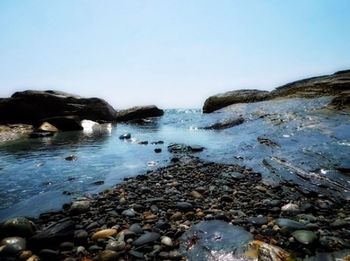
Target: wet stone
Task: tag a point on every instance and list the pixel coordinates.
(304, 236)
(184, 206)
(289, 224)
(146, 238)
(49, 255)
(11, 246)
(107, 255)
(17, 226)
(208, 238)
(129, 213)
(125, 136)
(258, 220)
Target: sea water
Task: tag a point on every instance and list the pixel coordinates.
(311, 140)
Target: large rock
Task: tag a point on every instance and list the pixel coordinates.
(222, 100)
(139, 112)
(33, 106)
(328, 85)
(53, 235)
(18, 226)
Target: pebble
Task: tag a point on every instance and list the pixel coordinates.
(167, 241)
(184, 206)
(129, 213)
(146, 238)
(290, 207)
(104, 233)
(304, 236)
(125, 136)
(115, 245)
(107, 255)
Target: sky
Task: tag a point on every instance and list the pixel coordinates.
(172, 53)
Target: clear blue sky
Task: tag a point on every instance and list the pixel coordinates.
(169, 53)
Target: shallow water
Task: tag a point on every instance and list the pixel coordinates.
(312, 141)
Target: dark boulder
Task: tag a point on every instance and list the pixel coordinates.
(18, 226)
(33, 106)
(53, 235)
(139, 112)
(225, 124)
(222, 100)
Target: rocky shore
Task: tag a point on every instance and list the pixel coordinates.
(148, 218)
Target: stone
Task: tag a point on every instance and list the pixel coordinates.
(71, 158)
(222, 100)
(18, 226)
(167, 241)
(196, 148)
(136, 228)
(80, 236)
(157, 150)
(208, 240)
(125, 136)
(129, 213)
(107, 255)
(229, 123)
(304, 236)
(148, 237)
(290, 207)
(136, 113)
(115, 245)
(53, 235)
(49, 255)
(80, 206)
(33, 106)
(289, 224)
(184, 206)
(47, 127)
(258, 220)
(196, 194)
(105, 233)
(11, 246)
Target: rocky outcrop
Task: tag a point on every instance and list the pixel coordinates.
(32, 106)
(222, 100)
(328, 85)
(341, 102)
(139, 112)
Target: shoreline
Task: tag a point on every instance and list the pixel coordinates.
(168, 201)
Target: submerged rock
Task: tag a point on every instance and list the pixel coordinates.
(140, 112)
(225, 124)
(215, 239)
